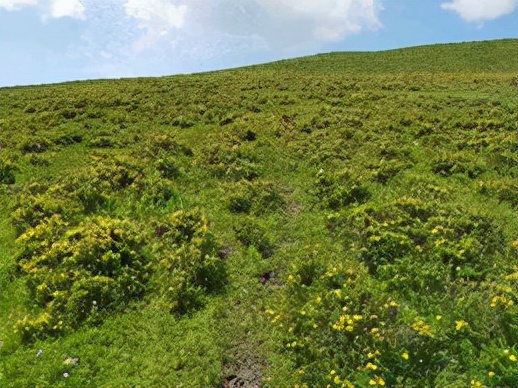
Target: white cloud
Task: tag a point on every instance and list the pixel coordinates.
(481, 10)
(70, 8)
(280, 25)
(12, 5)
(49, 8)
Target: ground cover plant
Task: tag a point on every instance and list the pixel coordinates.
(341, 220)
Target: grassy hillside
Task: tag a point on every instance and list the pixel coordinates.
(345, 219)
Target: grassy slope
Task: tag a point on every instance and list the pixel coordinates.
(356, 111)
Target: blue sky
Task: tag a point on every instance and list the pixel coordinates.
(45, 41)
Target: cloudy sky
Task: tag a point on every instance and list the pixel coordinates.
(43, 41)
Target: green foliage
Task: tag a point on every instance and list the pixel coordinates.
(186, 264)
(342, 328)
(232, 159)
(380, 186)
(256, 197)
(36, 145)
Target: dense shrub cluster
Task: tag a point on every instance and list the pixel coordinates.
(410, 233)
(379, 188)
(433, 302)
(82, 256)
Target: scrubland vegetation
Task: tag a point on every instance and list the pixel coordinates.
(341, 220)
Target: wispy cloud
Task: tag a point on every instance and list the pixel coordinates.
(276, 25)
(479, 11)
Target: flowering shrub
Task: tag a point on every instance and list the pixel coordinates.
(409, 230)
(186, 264)
(75, 273)
(422, 307)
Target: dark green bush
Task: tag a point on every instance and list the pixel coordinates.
(447, 165)
(251, 234)
(36, 145)
(7, 170)
(339, 190)
(167, 167)
(233, 163)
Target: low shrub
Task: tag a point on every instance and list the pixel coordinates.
(336, 190)
(186, 266)
(251, 234)
(7, 171)
(256, 197)
(74, 274)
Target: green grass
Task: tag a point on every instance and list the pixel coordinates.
(345, 219)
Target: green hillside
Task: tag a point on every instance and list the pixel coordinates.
(344, 219)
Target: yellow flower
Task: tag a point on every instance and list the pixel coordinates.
(371, 366)
(438, 317)
(491, 373)
(347, 384)
(373, 355)
(405, 356)
(422, 328)
(459, 325)
(476, 384)
(377, 381)
(337, 380)
(513, 358)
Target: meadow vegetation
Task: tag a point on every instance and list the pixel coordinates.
(340, 220)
